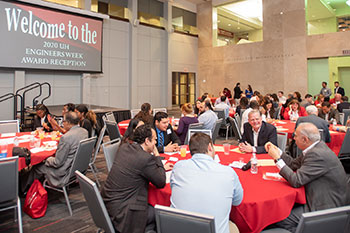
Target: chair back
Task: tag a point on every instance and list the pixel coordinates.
(112, 129)
(238, 120)
(82, 156)
(325, 221)
(155, 110)
(98, 144)
(242, 111)
(345, 146)
(236, 129)
(133, 112)
(110, 116)
(341, 118)
(8, 179)
(198, 125)
(346, 115)
(220, 113)
(321, 134)
(193, 131)
(110, 150)
(278, 113)
(170, 220)
(9, 126)
(282, 140)
(95, 203)
(216, 129)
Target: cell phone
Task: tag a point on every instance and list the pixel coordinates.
(247, 166)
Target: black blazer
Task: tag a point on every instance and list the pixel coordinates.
(268, 133)
(125, 192)
(340, 91)
(169, 136)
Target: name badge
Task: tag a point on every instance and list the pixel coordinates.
(168, 131)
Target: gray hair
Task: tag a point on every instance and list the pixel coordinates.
(311, 109)
(254, 111)
(310, 131)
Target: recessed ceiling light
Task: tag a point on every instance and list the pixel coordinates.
(238, 28)
(313, 16)
(219, 21)
(281, 12)
(229, 25)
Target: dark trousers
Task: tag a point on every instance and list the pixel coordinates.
(292, 221)
(28, 175)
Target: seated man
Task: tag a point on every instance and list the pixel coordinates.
(223, 106)
(312, 117)
(344, 104)
(318, 169)
(201, 185)
(56, 169)
(253, 105)
(257, 133)
(126, 189)
(307, 101)
(208, 117)
(329, 114)
(336, 100)
(167, 140)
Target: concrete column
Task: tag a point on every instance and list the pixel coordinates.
(169, 28)
(133, 88)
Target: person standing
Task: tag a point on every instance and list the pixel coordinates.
(204, 186)
(237, 93)
(249, 92)
(338, 89)
(325, 91)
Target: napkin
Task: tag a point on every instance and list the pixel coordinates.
(219, 148)
(281, 129)
(237, 164)
(216, 158)
(173, 159)
(6, 135)
(266, 162)
(37, 150)
(168, 175)
(237, 150)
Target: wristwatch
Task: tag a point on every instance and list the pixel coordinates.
(276, 160)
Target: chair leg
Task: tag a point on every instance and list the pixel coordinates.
(227, 128)
(19, 211)
(67, 200)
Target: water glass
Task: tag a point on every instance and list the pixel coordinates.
(227, 148)
(37, 142)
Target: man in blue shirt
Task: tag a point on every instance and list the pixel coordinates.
(204, 186)
(208, 117)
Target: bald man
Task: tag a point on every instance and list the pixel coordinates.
(318, 169)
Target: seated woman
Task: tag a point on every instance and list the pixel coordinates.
(294, 111)
(268, 110)
(87, 119)
(59, 126)
(145, 114)
(187, 119)
(133, 124)
(319, 101)
(43, 118)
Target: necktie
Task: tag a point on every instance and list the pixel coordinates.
(161, 139)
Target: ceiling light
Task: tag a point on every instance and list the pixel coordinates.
(281, 12)
(238, 28)
(313, 16)
(229, 25)
(219, 21)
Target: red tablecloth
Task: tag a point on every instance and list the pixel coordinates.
(288, 126)
(264, 202)
(36, 158)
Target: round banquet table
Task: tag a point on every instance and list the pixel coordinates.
(123, 125)
(288, 126)
(23, 138)
(264, 202)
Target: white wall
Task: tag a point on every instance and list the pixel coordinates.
(184, 53)
(7, 85)
(112, 87)
(152, 66)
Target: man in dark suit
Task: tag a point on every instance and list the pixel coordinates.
(126, 189)
(317, 168)
(338, 89)
(329, 114)
(257, 133)
(167, 140)
(317, 121)
(344, 104)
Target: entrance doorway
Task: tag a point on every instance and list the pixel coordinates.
(183, 88)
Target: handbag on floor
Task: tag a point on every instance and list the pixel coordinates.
(35, 204)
